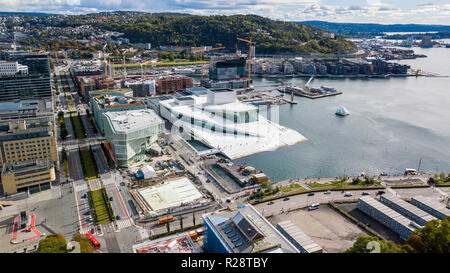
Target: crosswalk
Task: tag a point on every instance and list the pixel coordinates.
(95, 184)
(124, 223)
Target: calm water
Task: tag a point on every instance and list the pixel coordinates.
(392, 124)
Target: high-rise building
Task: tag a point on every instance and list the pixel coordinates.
(34, 85)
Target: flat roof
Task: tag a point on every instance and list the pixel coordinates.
(299, 236)
(126, 121)
(395, 216)
(178, 243)
(409, 207)
(432, 203)
(225, 223)
(172, 193)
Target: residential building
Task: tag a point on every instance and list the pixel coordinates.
(173, 84)
(131, 133)
(242, 230)
(141, 88)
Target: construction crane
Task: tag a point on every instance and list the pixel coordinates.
(145, 64)
(203, 50)
(104, 59)
(250, 43)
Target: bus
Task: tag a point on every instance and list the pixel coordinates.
(165, 219)
(93, 240)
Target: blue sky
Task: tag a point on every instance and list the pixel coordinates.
(360, 11)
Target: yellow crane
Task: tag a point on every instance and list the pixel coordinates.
(201, 53)
(145, 65)
(250, 43)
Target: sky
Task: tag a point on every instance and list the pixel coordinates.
(354, 11)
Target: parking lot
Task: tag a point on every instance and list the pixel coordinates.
(325, 226)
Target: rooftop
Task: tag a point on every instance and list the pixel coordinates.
(24, 167)
(126, 121)
(25, 108)
(245, 230)
(174, 193)
(178, 243)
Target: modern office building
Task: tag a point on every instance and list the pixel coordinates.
(22, 87)
(12, 68)
(28, 139)
(109, 103)
(220, 121)
(141, 88)
(131, 133)
(37, 63)
(227, 68)
(432, 206)
(386, 216)
(243, 230)
(31, 175)
(406, 209)
(11, 110)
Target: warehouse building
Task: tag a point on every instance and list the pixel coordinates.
(298, 238)
(406, 209)
(387, 216)
(431, 206)
(242, 230)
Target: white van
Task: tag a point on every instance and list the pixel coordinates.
(314, 206)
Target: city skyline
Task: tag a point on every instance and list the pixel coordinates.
(352, 11)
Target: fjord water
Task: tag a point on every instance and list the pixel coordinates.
(392, 124)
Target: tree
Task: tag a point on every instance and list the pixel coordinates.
(362, 245)
(434, 237)
(85, 243)
(53, 244)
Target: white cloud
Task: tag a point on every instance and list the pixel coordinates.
(382, 11)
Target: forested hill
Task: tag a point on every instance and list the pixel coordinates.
(360, 28)
(189, 30)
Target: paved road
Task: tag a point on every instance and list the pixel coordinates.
(109, 236)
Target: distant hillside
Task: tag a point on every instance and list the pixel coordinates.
(188, 30)
(18, 13)
(356, 28)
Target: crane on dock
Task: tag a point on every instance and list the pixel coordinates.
(250, 43)
(203, 50)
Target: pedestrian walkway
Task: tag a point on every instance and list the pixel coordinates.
(124, 223)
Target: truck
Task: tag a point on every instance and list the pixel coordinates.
(163, 220)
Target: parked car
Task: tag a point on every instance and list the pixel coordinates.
(270, 203)
(348, 194)
(365, 193)
(327, 192)
(380, 192)
(110, 198)
(286, 199)
(310, 194)
(118, 217)
(314, 206)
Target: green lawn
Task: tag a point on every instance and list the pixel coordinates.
(89, 167)
(340, 184)
(99, 203)
(77, 126)
(292, 187)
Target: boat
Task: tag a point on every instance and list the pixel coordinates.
(341, 111)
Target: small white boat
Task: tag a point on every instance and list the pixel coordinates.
(341, 111)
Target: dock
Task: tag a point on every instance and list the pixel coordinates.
(310, 93)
